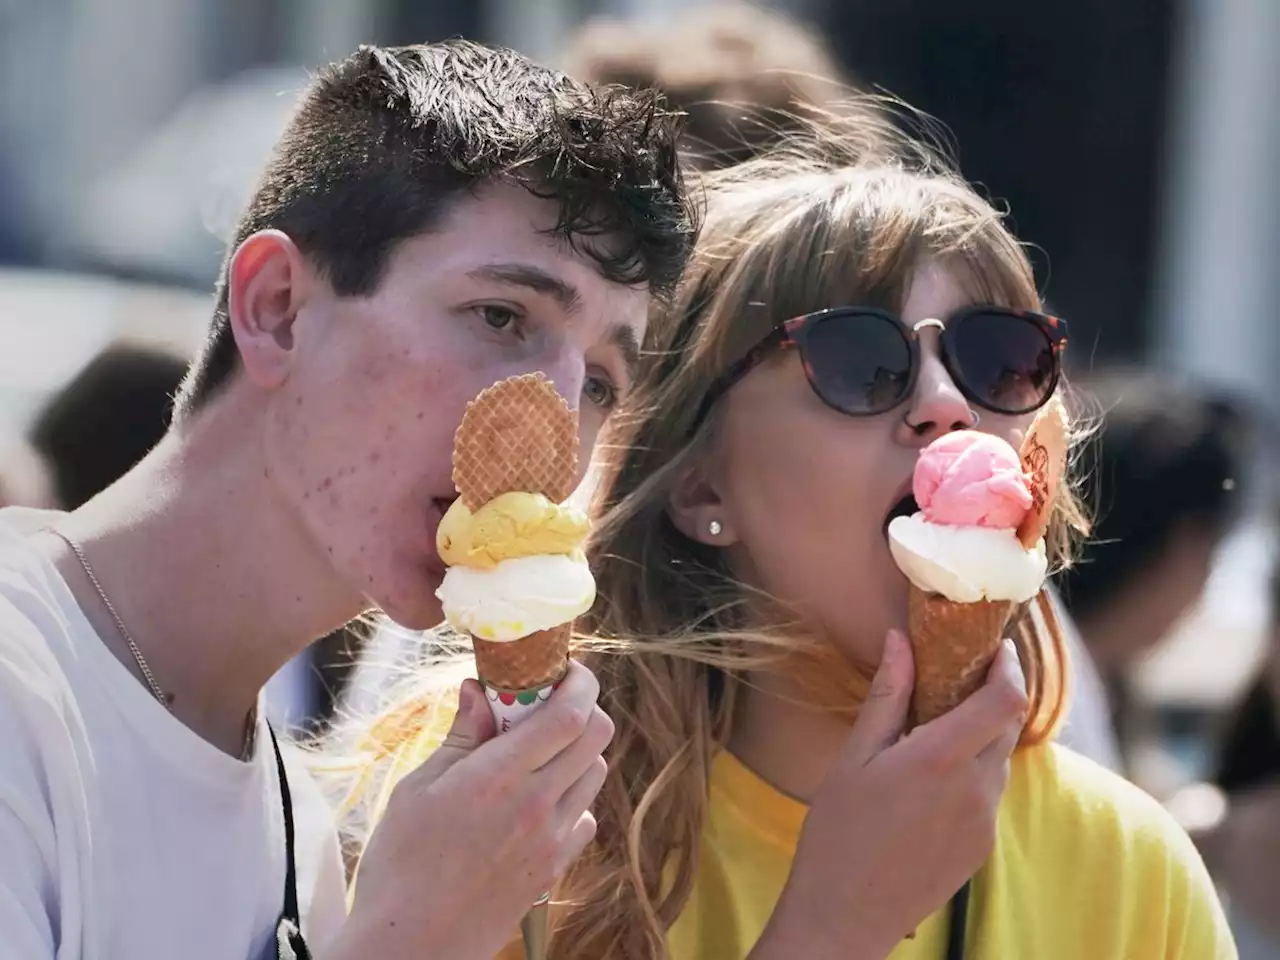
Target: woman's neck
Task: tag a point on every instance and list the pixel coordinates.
(783, 737)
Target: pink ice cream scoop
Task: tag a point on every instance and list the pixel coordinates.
(969, 478)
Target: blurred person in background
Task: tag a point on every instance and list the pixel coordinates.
(433, 219)
(1166, 476)
(745, 76)
(110, 416)
(1249, 756)
(1236, 821)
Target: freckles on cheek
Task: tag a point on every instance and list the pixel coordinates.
(380, 363)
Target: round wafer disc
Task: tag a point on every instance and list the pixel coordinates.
(517, 435)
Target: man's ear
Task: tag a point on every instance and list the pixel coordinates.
(267, 282)
(695, 507)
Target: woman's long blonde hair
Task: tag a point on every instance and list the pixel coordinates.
(827, 220)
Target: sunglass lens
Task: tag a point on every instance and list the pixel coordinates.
(859, 362)
(1006, 361)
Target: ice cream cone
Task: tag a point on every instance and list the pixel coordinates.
(953, 644)
(519, 436)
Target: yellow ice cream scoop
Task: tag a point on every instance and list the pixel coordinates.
(508, 526)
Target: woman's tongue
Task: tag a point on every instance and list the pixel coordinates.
(971, 479)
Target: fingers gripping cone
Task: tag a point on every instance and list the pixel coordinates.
(954, 643)
(519, 435)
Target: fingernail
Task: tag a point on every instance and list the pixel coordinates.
(892, 646)
(1012, 648)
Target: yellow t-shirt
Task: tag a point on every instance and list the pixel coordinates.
(1085, 866)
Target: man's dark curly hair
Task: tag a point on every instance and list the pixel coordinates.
(385, 140)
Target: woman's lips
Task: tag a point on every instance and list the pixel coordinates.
(904, 505)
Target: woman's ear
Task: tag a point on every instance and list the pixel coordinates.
(696, 509)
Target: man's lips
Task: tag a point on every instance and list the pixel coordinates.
(441, 506)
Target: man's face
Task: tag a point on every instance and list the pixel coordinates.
(359, 436)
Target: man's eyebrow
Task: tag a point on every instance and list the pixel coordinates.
(533, 278)
(628, 344)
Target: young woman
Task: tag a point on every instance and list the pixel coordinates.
(839, 314)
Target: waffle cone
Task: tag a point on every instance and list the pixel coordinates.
(518, 435)
(525, 664)
(953, 644)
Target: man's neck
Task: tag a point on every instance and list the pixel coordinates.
(209, 571)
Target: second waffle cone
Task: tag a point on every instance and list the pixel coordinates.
(953, 645)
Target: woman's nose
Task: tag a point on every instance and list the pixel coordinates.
(937, 406)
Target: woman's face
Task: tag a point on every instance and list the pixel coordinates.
(803, 494)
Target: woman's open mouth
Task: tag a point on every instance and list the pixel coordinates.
(904, 507)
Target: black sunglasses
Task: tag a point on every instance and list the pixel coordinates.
(864, 361)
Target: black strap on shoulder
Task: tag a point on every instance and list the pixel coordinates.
(957, 923)
(289, 943)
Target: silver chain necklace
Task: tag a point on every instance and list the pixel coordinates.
(141, 661)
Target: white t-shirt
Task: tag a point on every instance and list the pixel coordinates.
(123, 834)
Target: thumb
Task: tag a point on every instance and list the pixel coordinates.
(884, 715)
(472, 725)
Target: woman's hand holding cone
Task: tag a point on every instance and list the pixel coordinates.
(900, 822)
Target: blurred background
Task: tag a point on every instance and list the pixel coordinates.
(1135, 142)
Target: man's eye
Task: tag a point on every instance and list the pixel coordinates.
(600, 392)
(498, 317)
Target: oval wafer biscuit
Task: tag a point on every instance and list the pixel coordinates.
(1044, 458)
(517, 435)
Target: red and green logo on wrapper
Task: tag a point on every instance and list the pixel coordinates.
(510, 707)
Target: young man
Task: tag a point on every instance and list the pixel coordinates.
(435, 218)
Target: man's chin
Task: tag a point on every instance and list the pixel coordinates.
(416, 610)
(427, 617)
